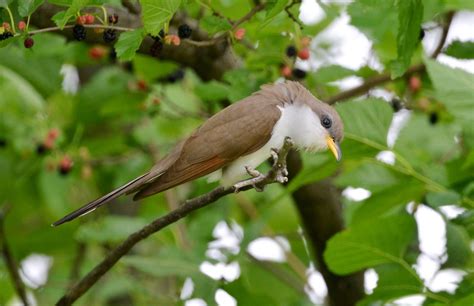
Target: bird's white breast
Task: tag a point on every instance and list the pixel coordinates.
(296, 121)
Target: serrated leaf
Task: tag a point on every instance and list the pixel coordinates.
(367, 120)
(155, 13)
(461, 49)
(213, 24)
(369, 244)
(149, 68)
(128, 44)
(27, 7)
(455, 89)
(410, 15)
(8, 41)
(212, 91)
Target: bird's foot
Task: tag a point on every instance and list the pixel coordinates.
(256, 180)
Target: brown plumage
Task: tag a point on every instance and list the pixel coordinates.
(236, 131)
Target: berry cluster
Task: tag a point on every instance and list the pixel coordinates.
(65, 165)
(85, 19)
(288, 70)
(6, 31)
(48, 142)
(110, 36)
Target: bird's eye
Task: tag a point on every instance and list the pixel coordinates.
(326, 122)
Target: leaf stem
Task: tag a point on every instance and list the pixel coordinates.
(12, 21)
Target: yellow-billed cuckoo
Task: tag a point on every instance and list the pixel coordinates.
(239, 136)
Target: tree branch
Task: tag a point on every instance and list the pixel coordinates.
(186, 208)
(10, 262)
(383, 78)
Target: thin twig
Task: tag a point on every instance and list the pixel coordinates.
(186, 208)
(290, 14)
(10, 262)
(444, 34)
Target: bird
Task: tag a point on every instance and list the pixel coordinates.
(239, 137)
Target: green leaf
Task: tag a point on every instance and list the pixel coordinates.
(367, 120)
(393, 283)
(369, 244)
(461, 49)
(76, 5)
(169, 261)
(437, 199)
(458, 245)
(109, 229)
(455, 89)
(155, 13)
(273, 8)
(332, 73)
(149, 69)
(27, 7)
(388, 199)
(8, 41)
(213, 24)
(410, 15)
(212, 91)
(128, 44)
(5, 3)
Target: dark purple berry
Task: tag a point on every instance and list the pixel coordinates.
(41, 149)
(5, 35)
(176, 76)
(79, 32)
(29, 42)
(298, 73)
(396, 104)
(156, 48)
(110, 35)
(162, 34)
(184, 31)
(3, 142)
(422, 34)
(113, 19)
(434, 118)
(291, 51)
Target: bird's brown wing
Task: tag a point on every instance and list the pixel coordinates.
(236, 131)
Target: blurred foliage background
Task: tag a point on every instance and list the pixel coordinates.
(79, 118)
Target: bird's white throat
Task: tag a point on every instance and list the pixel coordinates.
(297, 121)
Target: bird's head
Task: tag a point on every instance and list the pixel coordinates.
(332, 126)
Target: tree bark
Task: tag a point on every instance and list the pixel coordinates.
(320, 210)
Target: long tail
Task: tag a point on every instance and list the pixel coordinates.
(133, 184)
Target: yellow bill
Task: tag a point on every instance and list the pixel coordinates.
(334, 147)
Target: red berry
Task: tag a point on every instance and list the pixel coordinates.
(81, 20)
(414, 83)
(6, 26)
(239, 34)
(89, 19)
(172, 39)
(53, 134)
(22, 25)
(142, 85)
(65, 165)
(48, 143)
(305, 42)
(29, 42)
(285, 71)
(97, 52)
(304, 54)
